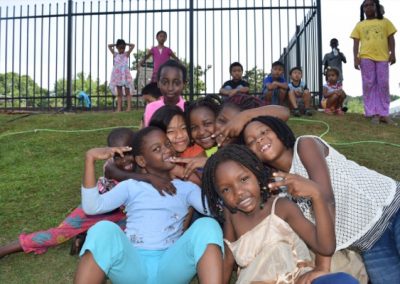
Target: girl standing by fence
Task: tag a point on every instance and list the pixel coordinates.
(121, 76)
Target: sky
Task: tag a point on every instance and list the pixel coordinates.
(338, 19)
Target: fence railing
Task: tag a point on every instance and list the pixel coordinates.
(49, 53)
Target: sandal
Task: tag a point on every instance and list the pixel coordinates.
(77, 244)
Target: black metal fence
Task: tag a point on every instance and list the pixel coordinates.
(49, 53)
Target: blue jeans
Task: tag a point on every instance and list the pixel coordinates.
(335, 278)
(382, 261)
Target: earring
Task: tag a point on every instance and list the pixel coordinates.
(264, 196)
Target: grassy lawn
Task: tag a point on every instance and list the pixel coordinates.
(41, 174)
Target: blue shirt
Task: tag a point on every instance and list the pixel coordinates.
(153, 221)
(268, 80)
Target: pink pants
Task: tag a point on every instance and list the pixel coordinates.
(77, 222)
(375, 83)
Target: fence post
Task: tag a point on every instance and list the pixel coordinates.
(298, 54)
(191, 45)
(69, 57)
(319, 59)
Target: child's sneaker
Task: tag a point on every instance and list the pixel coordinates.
(339, 111)
(328, 111)
(308, 112)
(296, 112)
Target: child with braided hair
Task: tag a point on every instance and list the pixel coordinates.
(266, 235)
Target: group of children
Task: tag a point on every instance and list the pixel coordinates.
(286, 205)
(121, 82)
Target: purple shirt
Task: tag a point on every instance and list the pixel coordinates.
(152, 107)
(159, 58)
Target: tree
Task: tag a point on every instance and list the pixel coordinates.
(255, 78)
(23, 89)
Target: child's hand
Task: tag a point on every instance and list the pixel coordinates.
(357, 63)
(106, 153)
(296, 185)
(392, 58)
(162, 185)
(191, 164)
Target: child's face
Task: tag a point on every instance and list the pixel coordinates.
(177, 134)
(156, 151)
(263, 142)
(125, 163)
(369, 8)
(237, 186)
(225, 115)
(121, 48)
(236, 73)
(277, 71)
(161, 38)
(202, 126)
(296, 75)
(171, 83)
(331, 77)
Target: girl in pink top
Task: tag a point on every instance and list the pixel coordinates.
(160, 54)
(121, 76)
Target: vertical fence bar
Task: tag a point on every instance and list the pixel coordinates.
(27, 59)
(13, 58)
(69, 57)
(56, 51)
(319, 52)
(34, 60)
(83, 48)
(5, 60)
(191, 46)
(74, 79)
(20, 57)
(48, 60)
(90, 53)
(98, 56)
(41, 57)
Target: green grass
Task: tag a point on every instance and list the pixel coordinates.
(41, 174)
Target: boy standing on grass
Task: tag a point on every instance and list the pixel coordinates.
(275, 86)
(299, 95)
(160, 53)
(237, 85)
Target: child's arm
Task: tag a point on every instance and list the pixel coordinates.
(95, 154)
(179, 172)
(235, 126)
(174, 56)
(229, 234)
(131, 47)
(161, 184)
(321, 237)
(325, 92)
(147, 56)
(92, 202)
(283, 85)
(111, 48)
(192, 164)
(392, 55)
(312, 154)
(226, 92)
(356, 45)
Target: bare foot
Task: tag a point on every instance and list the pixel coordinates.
(10, 248)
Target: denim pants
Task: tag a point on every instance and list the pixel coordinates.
(382, 261)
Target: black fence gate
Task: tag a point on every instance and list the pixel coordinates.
(49, 53)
